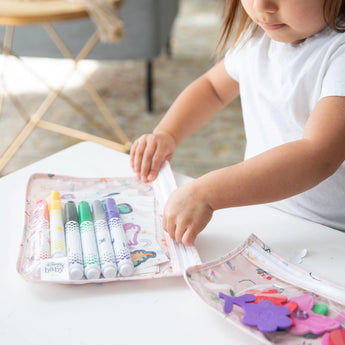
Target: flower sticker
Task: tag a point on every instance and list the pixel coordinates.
(266, 316)
(306, 321)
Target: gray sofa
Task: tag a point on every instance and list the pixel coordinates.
(148, 25)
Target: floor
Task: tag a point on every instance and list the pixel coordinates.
(121, 85)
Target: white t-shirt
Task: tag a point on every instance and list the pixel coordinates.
(280, 84)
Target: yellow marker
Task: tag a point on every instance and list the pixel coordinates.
(57, 233)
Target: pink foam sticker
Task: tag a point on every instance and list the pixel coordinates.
(305, 321)
(325, 339)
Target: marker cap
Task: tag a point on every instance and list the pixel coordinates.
(71, 212)
(109, 271)
(92, 273)
(126, 269)
(54, 200)
(98, 211)
(111, 208)
(84, 212)
(41, 210)
(76, 273)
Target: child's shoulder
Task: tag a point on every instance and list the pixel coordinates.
(328, 35)
(327, 43)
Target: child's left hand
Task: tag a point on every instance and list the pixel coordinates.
(186, 213)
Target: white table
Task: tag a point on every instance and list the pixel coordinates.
(162, 311)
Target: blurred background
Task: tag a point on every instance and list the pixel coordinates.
(121, 83)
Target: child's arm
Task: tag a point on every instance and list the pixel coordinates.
(195, 106)
(276, 174)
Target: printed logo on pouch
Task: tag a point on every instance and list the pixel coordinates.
(54, 269)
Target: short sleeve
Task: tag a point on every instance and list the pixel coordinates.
(234, 58)
(333, 83)
(231, 64)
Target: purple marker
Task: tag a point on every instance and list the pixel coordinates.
(122, 254)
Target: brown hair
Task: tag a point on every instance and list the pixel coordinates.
(236, 20)
(334, 13)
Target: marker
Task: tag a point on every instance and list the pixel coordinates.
(57, 234)
(121, 250)
(39, 227)
(88, 241)
(73, 241)
(105, 248)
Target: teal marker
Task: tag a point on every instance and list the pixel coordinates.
(88, 240)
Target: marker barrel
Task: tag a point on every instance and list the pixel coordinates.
(88, 239)
(104, 244)
(73, 242)
(57, 233)
(40, 228)
(121, 250)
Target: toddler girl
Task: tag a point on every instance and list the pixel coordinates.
(287, 62)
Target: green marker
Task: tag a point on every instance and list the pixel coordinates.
(92, 266)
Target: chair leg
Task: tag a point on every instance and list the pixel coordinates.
(149, 86)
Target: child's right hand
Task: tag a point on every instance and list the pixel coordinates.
(149, 152)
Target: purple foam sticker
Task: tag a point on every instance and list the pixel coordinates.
(229, 301)
(266, 316)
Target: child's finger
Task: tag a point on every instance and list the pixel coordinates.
(158, 159)
(169, 226)
(171, 230)
(189, 237)
(139, 152)
(132, 153)
(179, 232)
(151, 146)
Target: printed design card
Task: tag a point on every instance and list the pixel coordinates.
(137, 215)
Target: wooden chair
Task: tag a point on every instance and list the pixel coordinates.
(18, 13)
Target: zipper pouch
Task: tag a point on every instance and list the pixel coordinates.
(92, 230)
(271, 299)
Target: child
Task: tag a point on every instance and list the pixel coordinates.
(288, 65)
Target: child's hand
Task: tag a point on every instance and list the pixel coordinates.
(149, 152)
(186, 213)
